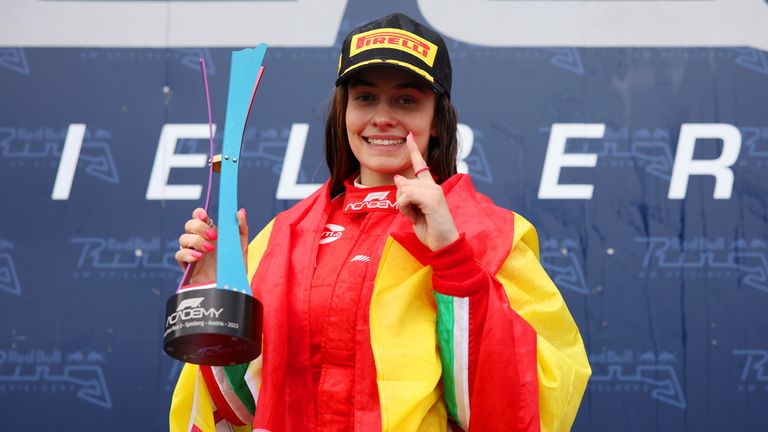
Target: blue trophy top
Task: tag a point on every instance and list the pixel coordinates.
(244, 72)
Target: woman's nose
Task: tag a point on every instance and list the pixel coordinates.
(383, 117)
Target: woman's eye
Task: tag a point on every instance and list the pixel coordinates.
(406, 100)
(365, 97)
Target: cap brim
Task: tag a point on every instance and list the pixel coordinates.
(407, 67)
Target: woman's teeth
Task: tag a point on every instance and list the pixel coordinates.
(378, 141)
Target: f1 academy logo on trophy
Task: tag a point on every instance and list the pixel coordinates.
(219, 323)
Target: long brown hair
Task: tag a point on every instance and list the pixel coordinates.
(441, 154)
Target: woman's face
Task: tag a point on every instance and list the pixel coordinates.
(384, 105)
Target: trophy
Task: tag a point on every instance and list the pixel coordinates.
(219, 323)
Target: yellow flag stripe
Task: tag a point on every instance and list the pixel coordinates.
(403, 318)
(562, 366)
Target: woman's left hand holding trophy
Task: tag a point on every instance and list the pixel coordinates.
(198, 245)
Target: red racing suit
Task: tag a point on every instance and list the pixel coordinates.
(367, 329)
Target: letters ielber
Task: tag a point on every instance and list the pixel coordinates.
(555, 159)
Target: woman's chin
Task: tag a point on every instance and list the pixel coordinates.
(383, 172)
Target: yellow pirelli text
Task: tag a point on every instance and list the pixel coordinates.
(395, 39)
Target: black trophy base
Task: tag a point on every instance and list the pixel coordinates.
(212, 326)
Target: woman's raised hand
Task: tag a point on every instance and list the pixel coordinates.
(198, 245)
(422, 201)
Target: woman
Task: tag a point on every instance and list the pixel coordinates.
(396, 297)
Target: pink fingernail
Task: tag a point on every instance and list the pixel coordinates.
(410, 135)
(210, 234)
(201, 215)
(243, 210)
(197, 254)
(209, 247)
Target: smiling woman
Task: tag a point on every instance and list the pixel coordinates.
(438, 144)
(383, 106)
(396, 298)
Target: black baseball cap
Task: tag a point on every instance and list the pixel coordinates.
(399, 41)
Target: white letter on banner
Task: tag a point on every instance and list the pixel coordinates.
(466, 141)
(556, 158)
(288, 187)
(68, 162)
(166, 158)
(685, 166)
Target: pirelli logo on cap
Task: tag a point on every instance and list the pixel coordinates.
(395, 39)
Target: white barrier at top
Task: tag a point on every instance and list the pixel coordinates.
(315, 23)
(606, 23)
(153, 24)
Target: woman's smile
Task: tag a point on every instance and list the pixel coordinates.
(384, 144)
(383, 141)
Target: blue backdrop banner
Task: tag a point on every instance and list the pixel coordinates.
(635, 141)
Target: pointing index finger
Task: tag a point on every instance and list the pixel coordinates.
(416, 160)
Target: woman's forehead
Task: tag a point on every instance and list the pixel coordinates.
(385, 76)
